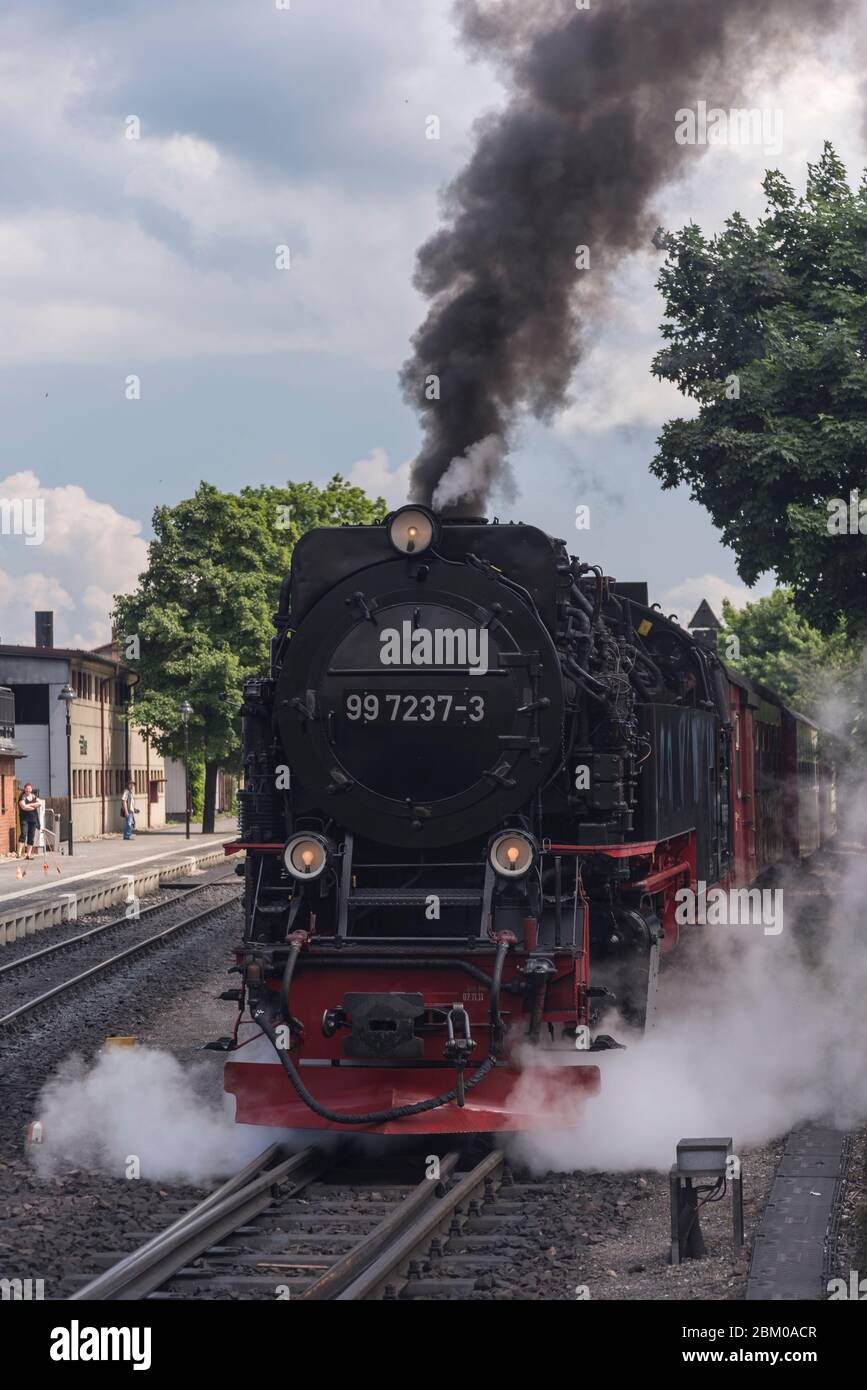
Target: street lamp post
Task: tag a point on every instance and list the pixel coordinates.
(186, 711)
(67, 695)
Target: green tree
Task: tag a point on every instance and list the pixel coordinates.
(775, 645)
(202, 611)
(766, 329)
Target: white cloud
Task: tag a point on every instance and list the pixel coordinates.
(683, 599)
(93, 551)
(379, 479)
(164, 247)
(820, 99)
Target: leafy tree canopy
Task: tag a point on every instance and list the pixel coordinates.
(778, 647)
(766, 330)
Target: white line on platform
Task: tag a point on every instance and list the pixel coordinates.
(95, 873)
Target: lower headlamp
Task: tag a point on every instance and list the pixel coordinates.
(512, 853)
(306, 855)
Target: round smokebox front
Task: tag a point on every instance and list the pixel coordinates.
(417, 713)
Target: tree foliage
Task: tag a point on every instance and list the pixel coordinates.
(202, 611)
(778, 647)
(766, 330)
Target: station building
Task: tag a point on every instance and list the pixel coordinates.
(105, 748)
(9, 755)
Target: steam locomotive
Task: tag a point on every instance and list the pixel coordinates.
(478, 775)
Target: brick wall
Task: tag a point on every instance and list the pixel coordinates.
(7, 805)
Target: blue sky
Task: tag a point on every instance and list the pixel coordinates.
(262, 127)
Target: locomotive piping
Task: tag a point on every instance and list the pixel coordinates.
(377, 962)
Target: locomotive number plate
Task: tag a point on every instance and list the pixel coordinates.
(364, 707)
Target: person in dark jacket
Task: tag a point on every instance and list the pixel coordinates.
(28, 809)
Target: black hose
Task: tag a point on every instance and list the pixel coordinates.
(581, 599)
(399, 1112)
(599, 693)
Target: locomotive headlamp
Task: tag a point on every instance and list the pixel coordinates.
(305, 856)
(412, 530)
(512, 854)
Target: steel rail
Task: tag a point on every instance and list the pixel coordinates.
(59, 946)
(349, 1266)
(429, 1222)
(365, 1269)
(232, 1205)
(32, 1004)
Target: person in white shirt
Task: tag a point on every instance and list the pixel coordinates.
(128, 810)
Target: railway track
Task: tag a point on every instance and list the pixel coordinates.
(312, 1228)
(11, 1018)
(319, 1226)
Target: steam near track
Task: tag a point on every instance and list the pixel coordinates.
(577, 156)
(142, 1102)
(761, 1034)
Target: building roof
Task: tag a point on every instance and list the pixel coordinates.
(65, 654)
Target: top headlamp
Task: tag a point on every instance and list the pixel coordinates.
(412, 530)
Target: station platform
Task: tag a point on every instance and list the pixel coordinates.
(54, 888)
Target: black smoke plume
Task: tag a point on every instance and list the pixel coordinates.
(576, 157)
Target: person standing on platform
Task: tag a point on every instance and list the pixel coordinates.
(28, 807)
(128, 810)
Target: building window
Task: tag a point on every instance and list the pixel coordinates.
(31, 704)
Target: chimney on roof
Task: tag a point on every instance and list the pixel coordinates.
(45, 629)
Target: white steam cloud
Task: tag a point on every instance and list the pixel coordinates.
(758, 1034)
(482, 469)
(140, 1102)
